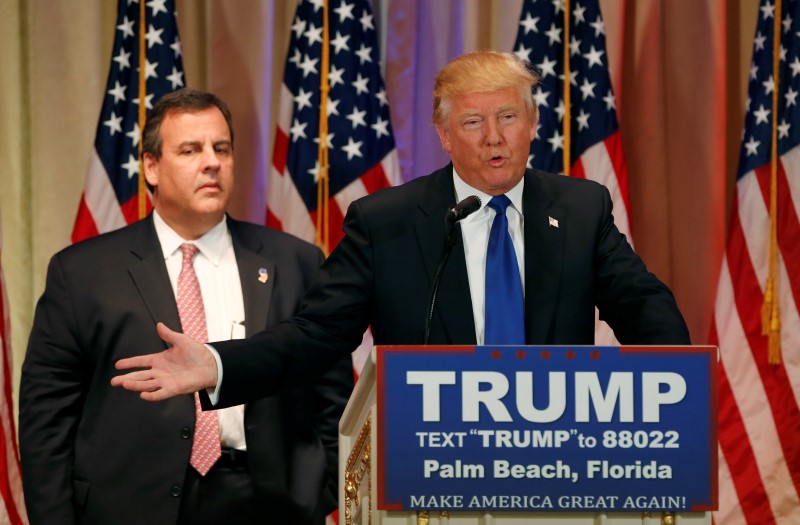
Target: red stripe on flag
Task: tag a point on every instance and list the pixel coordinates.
(130, 209)
(375, 179)
(5, 483)
(789, 233)
(85, 226)
(8, 436)
(576, 170)
(776, 384)
(335, 222)
(788, 226)
(280, 150)
(614, 147)
(739, 455)
(273, 221)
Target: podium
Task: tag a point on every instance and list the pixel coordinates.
(360, 468)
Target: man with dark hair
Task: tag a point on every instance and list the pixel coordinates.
(94, 454)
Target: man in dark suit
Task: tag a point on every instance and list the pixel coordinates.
(570, 258)
(92, 454)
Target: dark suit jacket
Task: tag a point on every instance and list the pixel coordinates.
(94, 454)
(380, 274)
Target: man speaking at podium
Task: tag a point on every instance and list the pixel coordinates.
(426, 263)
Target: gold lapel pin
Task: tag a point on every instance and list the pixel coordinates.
(263, 275)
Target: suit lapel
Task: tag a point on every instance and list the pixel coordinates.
(544, 254)
(256, 273)
(149, 273)
(456, 317)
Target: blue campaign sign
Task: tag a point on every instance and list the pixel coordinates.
(547, 428)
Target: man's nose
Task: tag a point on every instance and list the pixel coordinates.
(492, 135)
(210, 158)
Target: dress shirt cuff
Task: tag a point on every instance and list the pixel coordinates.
(213, 393)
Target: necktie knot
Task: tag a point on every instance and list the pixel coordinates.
(188, 250)
(499, 203)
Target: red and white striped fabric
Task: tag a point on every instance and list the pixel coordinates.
(362, 154)
(759, 403)
(12, 507)
(110, 197)
(595, 143)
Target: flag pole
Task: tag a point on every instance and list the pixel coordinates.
(770, 313)
(567, 95)
(323, 182)
(142, 191)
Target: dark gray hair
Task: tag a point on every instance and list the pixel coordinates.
(182, 101)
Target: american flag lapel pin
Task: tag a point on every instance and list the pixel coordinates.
(553, 222)
(263, 275)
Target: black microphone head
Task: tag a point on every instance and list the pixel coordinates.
(464, 208)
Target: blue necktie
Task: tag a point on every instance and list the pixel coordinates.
(505, 321)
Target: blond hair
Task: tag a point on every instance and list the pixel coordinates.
(482, 72)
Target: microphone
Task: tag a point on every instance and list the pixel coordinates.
(456, 212)
(464, 208)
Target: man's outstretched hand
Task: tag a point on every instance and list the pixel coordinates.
(185, 368)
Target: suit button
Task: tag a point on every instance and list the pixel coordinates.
(186, 433)
(175, 491)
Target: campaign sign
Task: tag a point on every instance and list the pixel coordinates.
(530, 428)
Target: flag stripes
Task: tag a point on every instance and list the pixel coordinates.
(12, 509)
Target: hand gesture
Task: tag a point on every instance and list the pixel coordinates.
(184, 368)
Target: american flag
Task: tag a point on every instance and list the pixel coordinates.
(110, 196)
(12, 506)
(759, 414)
(362, 154)
(594, 139)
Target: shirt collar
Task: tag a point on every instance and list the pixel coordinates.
(464, 190)
(211, 244)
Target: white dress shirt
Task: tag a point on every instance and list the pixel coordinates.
(218, 274)
(475, 234)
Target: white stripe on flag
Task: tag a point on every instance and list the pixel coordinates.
(754, 220)
(751, 399)
(598, 167)
(100, 197)
(286, 204)
(729, 509)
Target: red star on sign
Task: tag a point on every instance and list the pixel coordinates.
(496, 354)
(594, 354)
(521, 354)
(570, 354)
(545, 354)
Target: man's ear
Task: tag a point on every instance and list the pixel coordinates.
(150, 169)
(534, 118)
(443, 137)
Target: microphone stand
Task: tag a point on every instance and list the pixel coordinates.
(449, 242)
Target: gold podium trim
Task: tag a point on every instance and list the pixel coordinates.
(358, 464)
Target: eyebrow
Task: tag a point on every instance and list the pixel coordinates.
(185, 143)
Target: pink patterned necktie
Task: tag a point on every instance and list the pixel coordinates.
(206, 448)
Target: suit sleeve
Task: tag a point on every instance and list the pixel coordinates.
(332, 392)
(634, 302)
(51, 392)
(329, 326)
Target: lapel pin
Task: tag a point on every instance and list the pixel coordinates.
(263, 275)
(553, 222)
